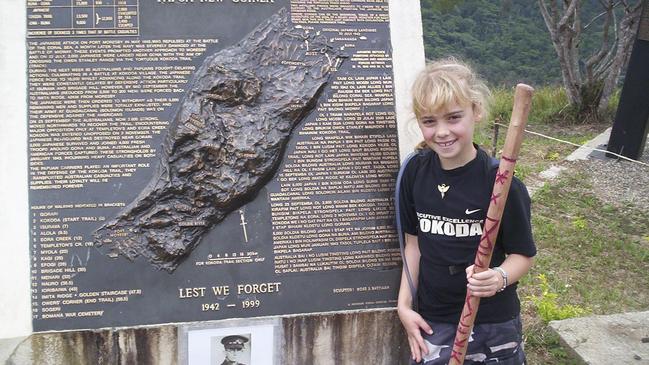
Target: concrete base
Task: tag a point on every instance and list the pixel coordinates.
(586, 151)
(360, 337)
(612, 339)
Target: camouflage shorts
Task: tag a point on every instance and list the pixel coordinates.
(490, 343)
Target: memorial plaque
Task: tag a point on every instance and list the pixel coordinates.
(207, 159)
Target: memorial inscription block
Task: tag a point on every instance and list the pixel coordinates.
(200, 160)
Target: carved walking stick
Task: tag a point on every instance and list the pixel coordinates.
(522, 103)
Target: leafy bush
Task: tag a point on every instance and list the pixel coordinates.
(580, 223)
(547, 305)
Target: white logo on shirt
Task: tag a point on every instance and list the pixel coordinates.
(471, 211)
(450, 227)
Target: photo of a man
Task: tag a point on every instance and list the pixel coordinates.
(232, 344)
(231, 349)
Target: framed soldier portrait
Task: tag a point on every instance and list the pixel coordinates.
(231, 349)
(237, 342)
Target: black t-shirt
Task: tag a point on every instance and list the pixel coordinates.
(449, 228)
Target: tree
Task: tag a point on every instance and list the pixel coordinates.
(589, 82)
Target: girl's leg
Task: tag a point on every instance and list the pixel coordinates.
(499, 343)
(439, 344)
(490, 343)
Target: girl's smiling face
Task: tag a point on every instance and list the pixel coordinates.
(449, 132)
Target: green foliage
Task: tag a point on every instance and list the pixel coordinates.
(552, 156)
(614, 100)
(587, 112)
(507, 40)
(576, 231)
(502, 102)
(547, 305)
(522, 171)
(507, 43)
(579, 223)
(548, 105)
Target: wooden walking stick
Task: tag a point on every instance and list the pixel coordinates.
(522, 103)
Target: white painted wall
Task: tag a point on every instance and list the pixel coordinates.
(15, 315)
(408, 60)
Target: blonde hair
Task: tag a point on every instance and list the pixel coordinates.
(445, 81)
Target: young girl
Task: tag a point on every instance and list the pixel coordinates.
(445, 192)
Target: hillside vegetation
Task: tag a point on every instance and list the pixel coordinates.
(506, 41)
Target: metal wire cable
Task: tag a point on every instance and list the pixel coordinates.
(580, 145)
